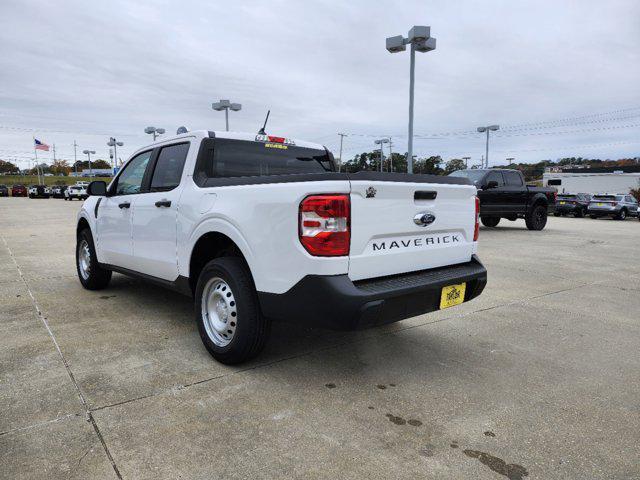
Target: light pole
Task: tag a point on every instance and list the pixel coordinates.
(88, 154)
(342, 135)
(510, 159)
(466, 161)
(487, 129)
(381, 142)
(226, 105)
(115, 144)
(420, 40)
(153, 130)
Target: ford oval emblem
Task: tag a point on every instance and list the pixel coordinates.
(423, 219)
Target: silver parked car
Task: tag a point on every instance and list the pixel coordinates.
(618, 206)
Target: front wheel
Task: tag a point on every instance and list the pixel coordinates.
(490, 221)
(593, 216)
(92, 276)
(578, 213)
(229, 319)
(536, 219)
(622, 215)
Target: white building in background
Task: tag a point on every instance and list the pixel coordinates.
(594, 180)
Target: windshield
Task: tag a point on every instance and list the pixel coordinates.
(474, 175)
(567, 197)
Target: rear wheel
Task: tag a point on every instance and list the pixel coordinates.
(490, 221)
(536, 219)
(556, 214)
(92, 276)
(593, 216)
(229, 319)
(622, 215)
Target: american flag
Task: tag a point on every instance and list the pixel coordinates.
(40, 145)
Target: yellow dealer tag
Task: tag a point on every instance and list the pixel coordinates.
(452, 295)
(275, 145)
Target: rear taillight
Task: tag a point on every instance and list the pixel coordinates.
(324, 225)
(476, 231)
(614, 203)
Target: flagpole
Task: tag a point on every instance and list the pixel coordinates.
(35, 151)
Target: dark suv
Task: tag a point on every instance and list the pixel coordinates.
(4, 191)
(574, 203)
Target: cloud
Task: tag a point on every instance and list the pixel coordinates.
(86, 70)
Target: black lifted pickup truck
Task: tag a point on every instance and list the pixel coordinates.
(503, 194)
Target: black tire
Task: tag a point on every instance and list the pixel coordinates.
(536, 219)
(31, 196)
(65, 199)
(593, 216)
(556, 214)
(96, 277)
(622, 215)
(490, 221)
(251, 328)
(578, 213)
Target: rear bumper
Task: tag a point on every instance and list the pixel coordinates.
(567, 208)
(338, 303)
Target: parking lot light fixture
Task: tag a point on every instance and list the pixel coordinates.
(487, 129)
(381, 142)
(115, 144)
(154, 131)
(226, 105)
(420, 39)
(88, 153)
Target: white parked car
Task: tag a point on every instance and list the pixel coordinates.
(78, 191)
(257, 227)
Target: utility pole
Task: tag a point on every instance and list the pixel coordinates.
(75, 158)
(510, 159)
(466, 161)
(342, 135)
(390, 156)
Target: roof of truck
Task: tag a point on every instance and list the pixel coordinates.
(230, 135)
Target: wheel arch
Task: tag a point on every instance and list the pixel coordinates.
(539, 199)
(213, 244)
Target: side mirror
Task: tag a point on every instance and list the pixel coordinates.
(492, 184)
(97, 188)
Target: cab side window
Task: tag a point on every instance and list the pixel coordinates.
(130, 180)
(168, 170)
(494, 177)
(512, 179)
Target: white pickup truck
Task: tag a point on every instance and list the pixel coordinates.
(257, 227)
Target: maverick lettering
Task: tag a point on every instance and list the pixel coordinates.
(416, 242)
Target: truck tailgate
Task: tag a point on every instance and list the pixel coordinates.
(385, 240)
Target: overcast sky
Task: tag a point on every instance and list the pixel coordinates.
(86, 70)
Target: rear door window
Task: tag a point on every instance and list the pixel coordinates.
(241, 158)
(495, 177)
(512, 179)
(168, 170)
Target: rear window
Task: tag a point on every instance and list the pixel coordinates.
(607, 197)
(567, 197)
(240, 158)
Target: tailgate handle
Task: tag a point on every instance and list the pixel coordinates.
(424, 195)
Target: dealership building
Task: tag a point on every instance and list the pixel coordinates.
(594, 180)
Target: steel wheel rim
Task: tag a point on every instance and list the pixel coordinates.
(84, 259)
(219, 311)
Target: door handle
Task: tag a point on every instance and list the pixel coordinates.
(124, 205)
(163, 203)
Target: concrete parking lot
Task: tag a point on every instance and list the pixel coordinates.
(538, 378)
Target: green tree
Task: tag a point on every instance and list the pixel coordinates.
(8, 167)
(430, 165)
(453, 165)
